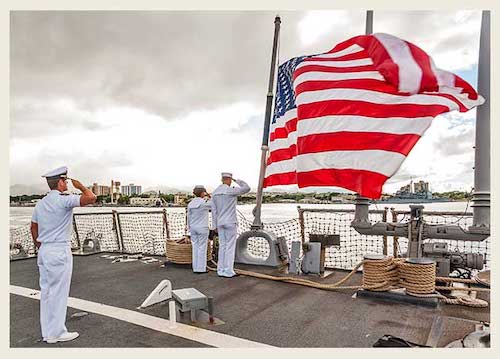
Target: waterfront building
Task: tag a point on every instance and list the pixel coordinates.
(115, 191)
(131, 189)
(148, 201)
(100, 190)
(180, 199)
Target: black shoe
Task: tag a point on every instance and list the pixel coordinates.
(201, 272)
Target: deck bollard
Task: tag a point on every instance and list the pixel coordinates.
(172, 313)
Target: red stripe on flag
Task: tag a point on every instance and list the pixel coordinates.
(362, 84)
(282, 132)
(357, 141)
(349, 57)
(320, 68)
(467, 88)
(280, 179)
(282, 154)
(366, 183)
(380, 57)
(369, 109)
(429, 81)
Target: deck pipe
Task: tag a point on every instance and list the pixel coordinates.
(363, 225)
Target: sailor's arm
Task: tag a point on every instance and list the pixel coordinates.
(214, 215)
(34, 234)
(87, 197)
(242, 189)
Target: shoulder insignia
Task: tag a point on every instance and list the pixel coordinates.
(63, 194)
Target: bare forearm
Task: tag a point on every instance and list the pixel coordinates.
(34, 234)
(88, 197)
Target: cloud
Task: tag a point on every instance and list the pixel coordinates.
(444, 156)
(156, 97)
(454, 42)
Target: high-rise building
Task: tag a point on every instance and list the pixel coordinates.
(131, 189)
(100, 190)
(115, 191)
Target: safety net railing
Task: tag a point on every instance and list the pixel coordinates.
(353, 245)
(146, 232)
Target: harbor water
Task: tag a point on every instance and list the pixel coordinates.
(271, 212)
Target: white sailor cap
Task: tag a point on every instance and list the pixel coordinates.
(57, 173)
(199, 189)
(226, 174)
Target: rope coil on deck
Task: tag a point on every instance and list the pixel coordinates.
(419, 278)
(385, 273)
(380, 274)
(180, 251)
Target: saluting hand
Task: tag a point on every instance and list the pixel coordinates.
(77, 184)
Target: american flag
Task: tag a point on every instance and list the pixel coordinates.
(349, 117)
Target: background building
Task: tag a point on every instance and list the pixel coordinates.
(180, 199)
(100, 190)
(131, 189)
(148, 201)
(115, 191)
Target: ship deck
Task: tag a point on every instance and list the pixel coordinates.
(256, 310)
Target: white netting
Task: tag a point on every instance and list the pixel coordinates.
(353, 246)
(143, 232)
(146, 232)
(20, 241)
(100, 226)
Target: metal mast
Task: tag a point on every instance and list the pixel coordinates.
(481, 196)
(257, 222)
(369, 22)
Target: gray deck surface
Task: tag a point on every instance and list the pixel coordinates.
(274, 313)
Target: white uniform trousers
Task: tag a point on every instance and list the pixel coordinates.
(227, 246)
(199, 240)
(55, 264)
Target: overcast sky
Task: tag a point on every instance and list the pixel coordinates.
(174, 98)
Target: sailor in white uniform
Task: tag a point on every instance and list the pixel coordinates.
(197, 217)
(224, 219)
(51, 231)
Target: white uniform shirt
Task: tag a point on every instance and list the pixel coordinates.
(197, 213)
(54, 216)
(224, 200)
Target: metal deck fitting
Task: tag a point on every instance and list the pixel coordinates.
(190, 300)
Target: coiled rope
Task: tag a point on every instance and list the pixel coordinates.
(388, 273)
(418, 278)
(380, 274)
(180, 251)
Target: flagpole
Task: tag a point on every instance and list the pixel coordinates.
(369, 22)
(362, 203)
(257, 222)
